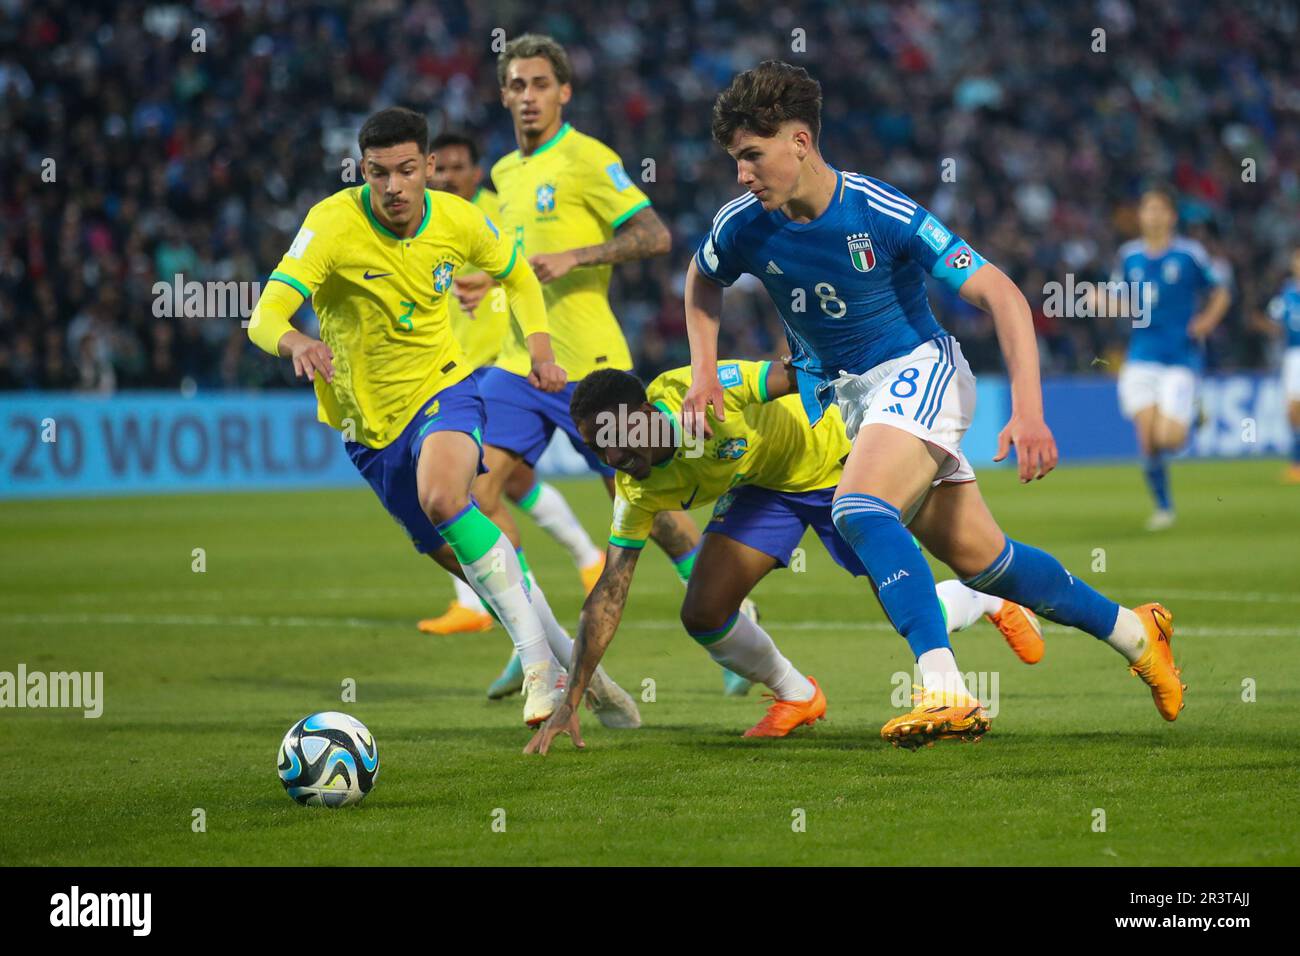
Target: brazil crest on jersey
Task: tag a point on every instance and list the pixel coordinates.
(1173, 281)
(850, 284)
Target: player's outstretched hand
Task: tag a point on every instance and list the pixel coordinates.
(312, 357)
(1035, 446)
(705, 392)
(549, 266)
(563, 721)
(469, 290)
(548, 376)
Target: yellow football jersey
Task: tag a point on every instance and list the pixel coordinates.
(382, 303)
(480, 335)
(765, 443)
(571, 192)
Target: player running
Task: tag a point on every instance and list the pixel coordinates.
(844, 258)
(377, 262)
(1157, 385)
(772, 475)
(480, 334)
(1284, 311)
(572, 210)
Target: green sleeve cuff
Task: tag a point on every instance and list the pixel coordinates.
(629, 543)
(763, 369)
(292, 282)
(643, 204)
(514, 253)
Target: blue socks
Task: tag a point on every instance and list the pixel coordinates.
(1156, 473)
(1035, 579)
(898, 569)
(1295, 447)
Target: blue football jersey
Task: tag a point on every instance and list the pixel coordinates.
(1285, 308)
(1178, 277)
(849, 285)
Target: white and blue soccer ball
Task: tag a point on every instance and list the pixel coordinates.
(328, 760)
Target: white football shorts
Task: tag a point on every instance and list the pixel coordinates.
(929, 392)
(1170, 388)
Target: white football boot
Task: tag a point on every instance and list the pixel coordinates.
(612, 705)
(544, 685)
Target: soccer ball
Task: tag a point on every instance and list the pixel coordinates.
(328, 759)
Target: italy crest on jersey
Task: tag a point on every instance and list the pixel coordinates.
(545, 198)
(860, 251)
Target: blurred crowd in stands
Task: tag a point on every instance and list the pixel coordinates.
(146, 140)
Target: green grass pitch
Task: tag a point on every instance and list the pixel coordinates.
(204, 672)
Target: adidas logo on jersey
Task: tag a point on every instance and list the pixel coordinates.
(896, 408)
(773, 269)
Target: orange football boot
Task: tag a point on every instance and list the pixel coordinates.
(784, 716)
(937, 716)
(591, 574)
(1292, 475)
(1020, 627)
(1156, 665)
(458, 619)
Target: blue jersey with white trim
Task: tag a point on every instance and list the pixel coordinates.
(850, 284)
(1285, 309)
(1177, 277)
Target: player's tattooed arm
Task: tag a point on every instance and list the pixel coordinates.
(642, 236)
(675, 533)
(600, 618)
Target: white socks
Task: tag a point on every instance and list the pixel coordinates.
(963, 606)
(556, 636)
(499, 580)
(465, 595)
(553, 515)
(1129, 636)
(939, 673)
(750, 652)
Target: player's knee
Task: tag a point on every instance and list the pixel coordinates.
(439, 503)
(699, 614)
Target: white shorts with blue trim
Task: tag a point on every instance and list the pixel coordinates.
(1171, 389)
(929, 392)
(1291, 373)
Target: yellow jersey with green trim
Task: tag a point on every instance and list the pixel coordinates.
(765, 443)
(480, 335)
(383, 301)
(571, 191)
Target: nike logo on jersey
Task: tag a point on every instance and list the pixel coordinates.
(377, 275)
(773, 269)
(686, 505)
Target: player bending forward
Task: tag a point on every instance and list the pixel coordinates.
(377, 262)
(772, 475)
(856, 251)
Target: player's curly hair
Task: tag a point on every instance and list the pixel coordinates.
(761, 99)
(392, 126)
(603, 391)
(528, 45)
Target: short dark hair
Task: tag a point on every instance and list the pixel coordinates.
(604, 390)
(455, 138)
(528, 45)
(1161, 191)
(761, 99)
(392, 126)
